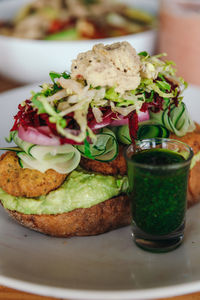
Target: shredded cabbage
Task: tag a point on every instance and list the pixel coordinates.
(67, 96)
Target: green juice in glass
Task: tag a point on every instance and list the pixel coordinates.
(158, 180)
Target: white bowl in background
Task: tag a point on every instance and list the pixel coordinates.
(31, 60)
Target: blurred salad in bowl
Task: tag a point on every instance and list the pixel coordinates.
(76, 20)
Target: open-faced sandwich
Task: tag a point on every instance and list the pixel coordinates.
(67, 175)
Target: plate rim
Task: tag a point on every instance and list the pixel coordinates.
(67, 293)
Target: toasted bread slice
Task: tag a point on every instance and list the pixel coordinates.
(100, 218)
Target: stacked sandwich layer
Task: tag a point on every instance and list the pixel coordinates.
(67, 174)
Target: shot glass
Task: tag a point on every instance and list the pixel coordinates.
(158, 172)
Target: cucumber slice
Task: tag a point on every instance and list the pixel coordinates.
(63, 158)
(14, 149)
(102, 144)
(21, 163)
(123, 135)
(105, 147)
(177, 120)
(165, 132)
(110, 155)
(167, 121)
(25, 146)
(146, 130)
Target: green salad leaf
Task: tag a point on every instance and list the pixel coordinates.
(55, 75)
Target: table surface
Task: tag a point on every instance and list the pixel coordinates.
(11, 294)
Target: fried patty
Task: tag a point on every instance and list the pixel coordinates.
(100, 218)
(114, 167)
(193, 140)
(26, 182)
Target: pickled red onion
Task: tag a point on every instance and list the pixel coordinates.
(142, 116)
(41, 136)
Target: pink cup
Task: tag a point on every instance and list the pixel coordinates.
(179, 36)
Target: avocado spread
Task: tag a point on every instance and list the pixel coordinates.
(81, 189)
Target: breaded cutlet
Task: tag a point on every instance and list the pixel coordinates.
(21, 182)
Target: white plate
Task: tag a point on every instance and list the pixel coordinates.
(30, 60)
(108, 266)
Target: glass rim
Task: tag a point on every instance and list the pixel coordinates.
(150, 166)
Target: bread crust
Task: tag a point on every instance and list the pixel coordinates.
(100, 218)
(193, 140)
(194, 186)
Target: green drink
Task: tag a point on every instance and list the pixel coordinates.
(158, 177)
